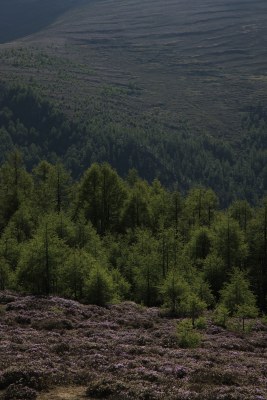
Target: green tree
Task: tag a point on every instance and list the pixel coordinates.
(5, 275)
(10, 249)
(102, 195)
(193, 306)
(237, 293)
(159, 203)
(241, 211)
(221, 315)
(136, 213)
(257, 260)
(245, 311)
(199, 245)
(229, 242)
(40, 261)
(99, 286)
(200, 206)
(215, 273)
(169, 247)
(144, 262)
(174, 291)
(15, 186)
(75, 272)
(121, 287)
(21, 225)
(52, 187)
(175, 210)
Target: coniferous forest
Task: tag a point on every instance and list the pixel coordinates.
(133, 200)
(102, 275)
(180, 160)
(104, 239)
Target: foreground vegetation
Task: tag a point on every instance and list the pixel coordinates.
(52, 345)
(104, 239)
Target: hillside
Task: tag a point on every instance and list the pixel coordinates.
(53, 348)
(22, 18)
(202, 61)
(175, 89)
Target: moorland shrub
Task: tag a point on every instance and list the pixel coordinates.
(187, 336)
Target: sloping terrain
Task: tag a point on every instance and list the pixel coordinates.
(176, 89)
(199, 61)
(21, 18)
(121, 352)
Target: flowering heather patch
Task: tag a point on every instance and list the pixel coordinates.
(122, 352)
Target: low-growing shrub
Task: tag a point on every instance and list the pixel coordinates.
(2, 309)
(23, 319)
(215, 377)
(237, 325)
(32, 379)
(201, 323)
(51, 324)
(19, 392)
(61, 348)
(187, 336)
(104, 388)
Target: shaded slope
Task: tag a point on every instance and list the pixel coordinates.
(20, 18)
(202, 60)
(162, 86)
(179, 159)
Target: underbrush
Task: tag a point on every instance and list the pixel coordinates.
(187, 336)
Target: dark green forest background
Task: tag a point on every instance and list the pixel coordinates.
(180, 159)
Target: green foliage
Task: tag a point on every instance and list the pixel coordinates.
(229, 242)
(199, 246)
(174, 292)
(121, 288)
(245, 311)
(136, 211)
(257, 260)
(215, 272)
(5, 275)
(201, 323)
(40, 261)
(221, 315)
(201, 288)
(200, 205)
(241, 211)
(236, 296)
(38, 129)
(193, 306)
(99, 286)
(187, 336)
(52, 186)
(144, 263)
(102, 195)
(16, 186)
(74, 273)
(104, 239)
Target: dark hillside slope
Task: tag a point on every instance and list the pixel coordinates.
(203, 61)
(41, 131)
(19, 18)
(174, 88)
